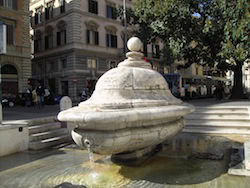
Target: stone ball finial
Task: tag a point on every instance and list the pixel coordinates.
(134, 44)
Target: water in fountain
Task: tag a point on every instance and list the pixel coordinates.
(88, 144)
(101, 174)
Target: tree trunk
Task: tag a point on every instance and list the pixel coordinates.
(237, 92)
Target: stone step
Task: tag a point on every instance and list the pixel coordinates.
(39, 121)
(44, 127)
(219, 114)
(217, 123)
(213, 130)
(208, 111)
(48, 134)
(47, 143)
(223, 109)
(227, 117)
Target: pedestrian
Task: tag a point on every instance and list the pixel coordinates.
(187, 91)
(40, 94)
(28, 99)
(34, 97)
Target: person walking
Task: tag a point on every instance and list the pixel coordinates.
(40, 94)
(187, 91)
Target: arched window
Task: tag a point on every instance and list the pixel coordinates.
(92, 34)
(8, 69)
(61, 34)
(48, 40)
(111, 38)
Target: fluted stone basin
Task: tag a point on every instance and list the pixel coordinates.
(131, 109)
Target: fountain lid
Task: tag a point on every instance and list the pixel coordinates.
(131, 91)
(132, 84)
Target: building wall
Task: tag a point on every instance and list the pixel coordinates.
(18, 54)
(77, 51)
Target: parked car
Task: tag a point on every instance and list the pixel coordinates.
(8, 101)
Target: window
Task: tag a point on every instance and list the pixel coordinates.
(92, 34)
(197, 70)
(40, 68)
(64, 63)
(49, 10)
(38, 42)
(61, 34)
(61, 37)
(111, 41)
(93, 6)
(92, 37)
(10, 34)
(48, 41)
(92, 63)
(48, 38)
(38, 16)
(111, 38)
(51, 67)
(12, 4)
(111, 12)
(62, 6)
(156, 50)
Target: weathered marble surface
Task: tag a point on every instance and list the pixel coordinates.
(131, 108)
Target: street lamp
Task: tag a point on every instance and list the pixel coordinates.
(125, 26)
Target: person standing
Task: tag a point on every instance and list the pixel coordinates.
(40, 94)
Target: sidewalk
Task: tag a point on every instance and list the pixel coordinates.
(209, 102)
(23, 112)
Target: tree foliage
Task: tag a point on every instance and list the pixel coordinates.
(206, 32)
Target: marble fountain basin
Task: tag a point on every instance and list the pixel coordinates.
(130, 110)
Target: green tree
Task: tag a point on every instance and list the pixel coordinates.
(206, 32)
(236, 43)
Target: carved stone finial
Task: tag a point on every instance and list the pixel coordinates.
(134, 44)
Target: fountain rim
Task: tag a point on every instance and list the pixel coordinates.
(104, 116)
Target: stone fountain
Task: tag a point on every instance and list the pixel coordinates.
(130, 112)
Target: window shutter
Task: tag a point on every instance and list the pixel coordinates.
(58, 36)
(87, 36)
(107, 8)
(46, 42)
(65, 37)
(10, 34)
(90, 3)
(115, 41)
(96, 38)
(36, 18)
(14, 4)
(1, 2)
(96, 7)
(46, 13)
(35, 46)
(107, 40)
(114, 16)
